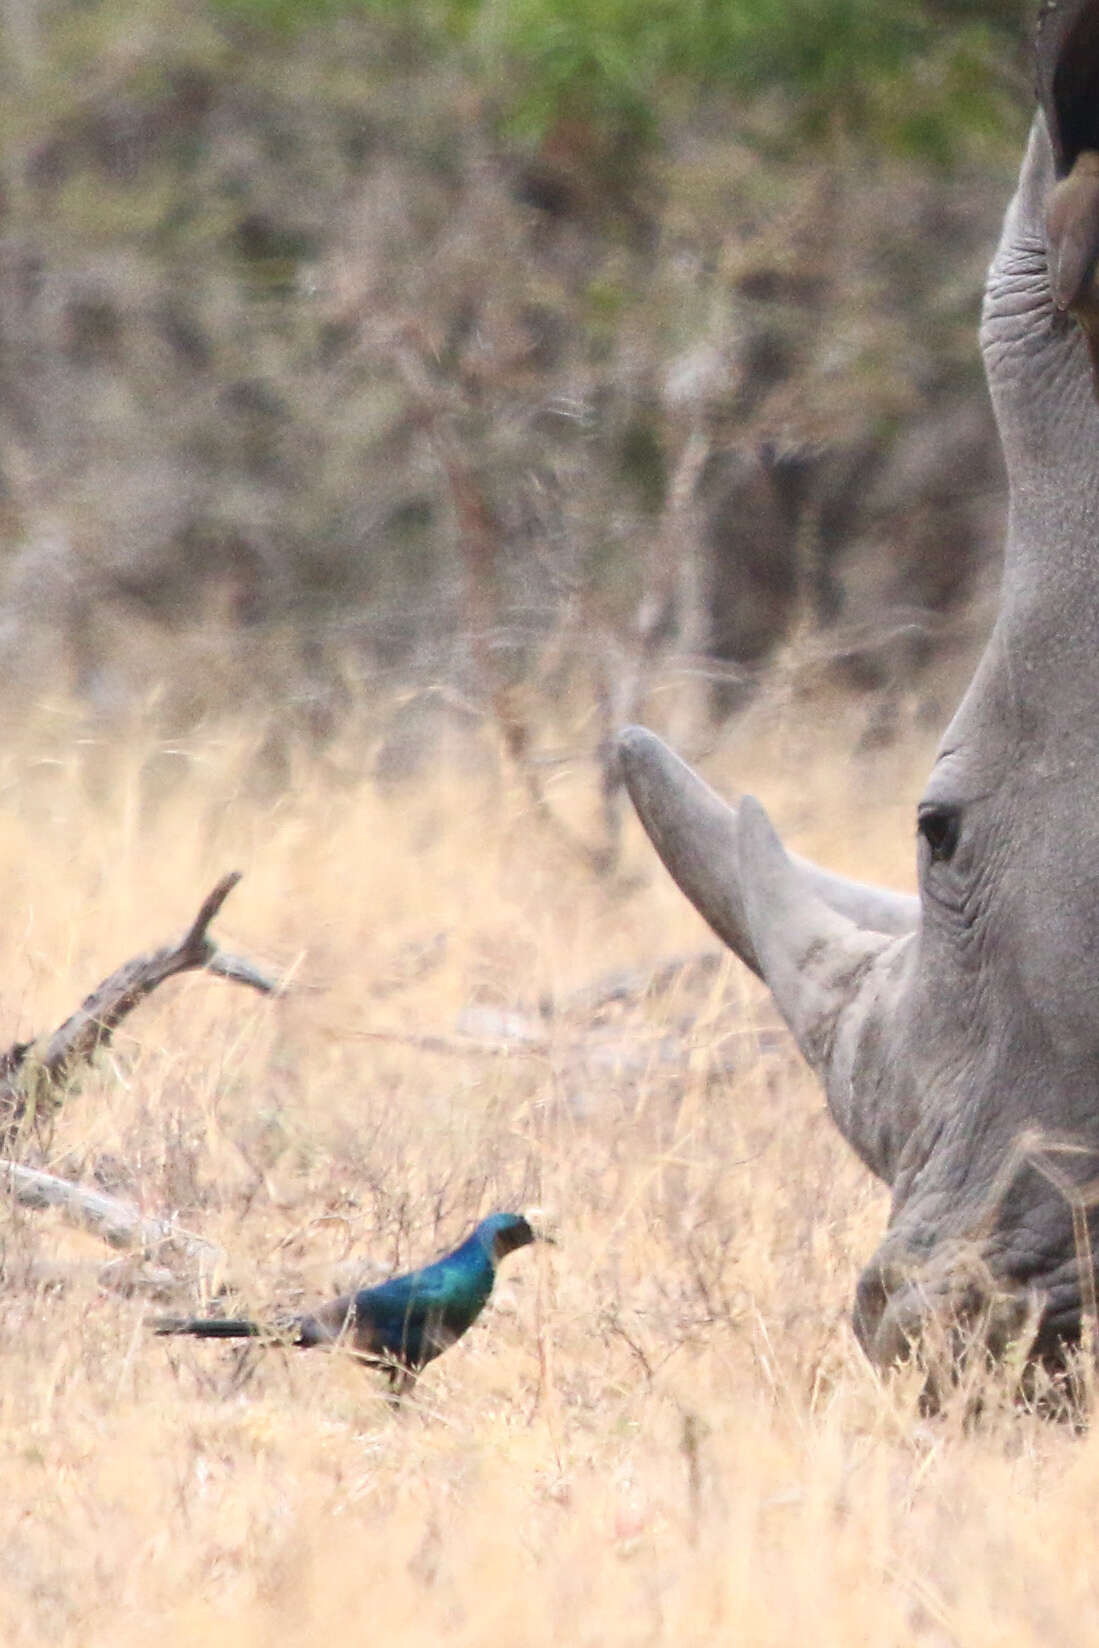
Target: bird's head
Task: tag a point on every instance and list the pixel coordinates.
(504, 1232)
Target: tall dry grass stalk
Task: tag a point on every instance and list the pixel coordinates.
(661, 1430)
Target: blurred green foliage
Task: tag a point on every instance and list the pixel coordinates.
(256, 253)
(914, 76)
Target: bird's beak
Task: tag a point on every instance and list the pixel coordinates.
(543, 1223)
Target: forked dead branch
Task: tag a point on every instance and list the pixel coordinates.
(36, 1076)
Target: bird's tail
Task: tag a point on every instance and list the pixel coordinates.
(214, 1327)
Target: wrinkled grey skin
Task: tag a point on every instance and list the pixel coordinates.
(957, 1034)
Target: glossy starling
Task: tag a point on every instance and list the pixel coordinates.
(400, 1325)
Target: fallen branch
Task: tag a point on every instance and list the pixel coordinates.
(117, 1223)
(630, 984)
(502, 1047)
(129, 1275)
(603, 1052)
(33, 1082)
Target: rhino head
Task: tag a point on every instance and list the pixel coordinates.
(957, 1033)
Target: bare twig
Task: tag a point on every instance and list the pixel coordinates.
(33, 1083)
(479, 544)
(118, 1223)
(672, 608)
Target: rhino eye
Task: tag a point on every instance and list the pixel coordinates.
(940, 827)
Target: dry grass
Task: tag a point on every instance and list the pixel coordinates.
(660, 1431)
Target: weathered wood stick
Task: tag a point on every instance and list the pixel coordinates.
(129, 1275)
(118, 1223)
(33, 1077)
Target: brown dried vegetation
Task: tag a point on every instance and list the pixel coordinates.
(660, 1431)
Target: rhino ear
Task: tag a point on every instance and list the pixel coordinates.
(1066, 57)
(812, 959)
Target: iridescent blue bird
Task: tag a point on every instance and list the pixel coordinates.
(400, 1325)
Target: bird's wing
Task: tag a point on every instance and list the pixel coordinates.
(379, 1319)
(406, 1314)
(420, 1294)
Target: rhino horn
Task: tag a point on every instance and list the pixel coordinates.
(697, 835)
(813, 960)
(693, 830)
(832, 951)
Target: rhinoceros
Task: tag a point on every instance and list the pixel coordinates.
(957, 1033)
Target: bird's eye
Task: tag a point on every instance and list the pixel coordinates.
(940, 827)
